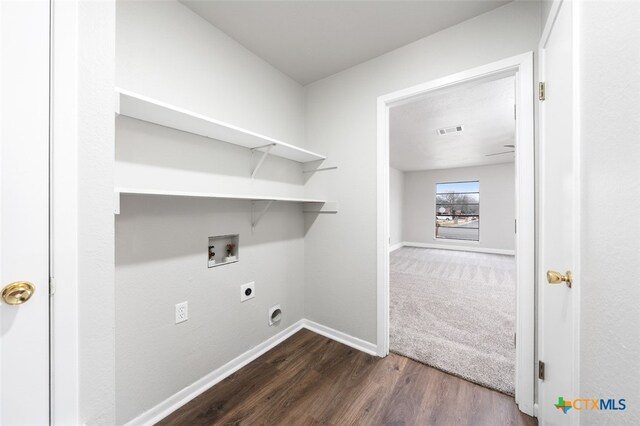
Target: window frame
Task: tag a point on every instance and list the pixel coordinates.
(435, 207)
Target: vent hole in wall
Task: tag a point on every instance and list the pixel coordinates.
(275, 315)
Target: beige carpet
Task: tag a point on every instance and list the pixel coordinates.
(455, 311)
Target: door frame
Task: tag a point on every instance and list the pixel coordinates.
(575, 207)
(64, 165)
(82, 200)
(520, 66)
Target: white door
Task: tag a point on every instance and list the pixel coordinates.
(559, 223)
(24, 212)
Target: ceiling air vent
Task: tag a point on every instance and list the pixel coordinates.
(452, 129)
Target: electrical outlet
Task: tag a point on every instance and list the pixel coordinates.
(182, 312)
(247, 291)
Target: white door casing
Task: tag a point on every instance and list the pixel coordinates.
(24, 210)
(521, 67)
(559, 218)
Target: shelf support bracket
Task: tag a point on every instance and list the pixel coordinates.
(265, 153)
(255, 219)
(322, 169)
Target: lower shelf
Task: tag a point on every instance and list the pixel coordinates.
(310, 205)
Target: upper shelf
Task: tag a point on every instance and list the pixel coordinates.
(140, 191)
(147, 109)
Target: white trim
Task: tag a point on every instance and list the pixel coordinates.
(339, 336)
(383, 235)
(64, 328)
(179, 399)
(396, 246)
(454, 241)
(459, 248)
(521, 67)
(182, 397)
(577, 200)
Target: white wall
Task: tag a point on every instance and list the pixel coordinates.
(396, 205)
(340, 272)
(161, 248)
(610, 283)
(165, 51)
(497, 205)
(545, 8)
(96, 53)
(83, 356)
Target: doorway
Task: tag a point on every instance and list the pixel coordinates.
(520, 69)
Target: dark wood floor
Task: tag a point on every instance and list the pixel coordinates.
(310, 380)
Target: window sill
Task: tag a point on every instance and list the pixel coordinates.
(451, 241)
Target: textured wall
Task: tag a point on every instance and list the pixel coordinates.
(95, 236)
(497, 205)
(610, 285)
(341, 122)
(161, 247)
(165, 51)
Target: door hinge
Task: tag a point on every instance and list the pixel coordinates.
(515, 341)
(52, 286)
(540, 370)
(515, 226)
(515, 112)
(541, 91)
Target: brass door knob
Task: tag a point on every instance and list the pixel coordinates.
(554, 277)
(18, 293)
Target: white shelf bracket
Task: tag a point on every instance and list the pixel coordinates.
(323, 207)
(322, 169)
(255, 219)
(265, 153)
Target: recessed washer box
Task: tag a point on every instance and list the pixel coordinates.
(223, 250)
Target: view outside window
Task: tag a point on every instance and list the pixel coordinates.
(458, 210)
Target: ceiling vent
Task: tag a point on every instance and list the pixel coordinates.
(452, 129)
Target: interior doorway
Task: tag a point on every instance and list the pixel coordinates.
(452, 211)
(455, 224)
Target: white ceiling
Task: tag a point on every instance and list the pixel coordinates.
(486, 110)
(310, 40)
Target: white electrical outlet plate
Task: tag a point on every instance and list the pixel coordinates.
(182, 312)
(247, 291)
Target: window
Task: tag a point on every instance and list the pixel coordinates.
(458, 210)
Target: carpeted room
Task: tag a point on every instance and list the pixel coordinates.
(452, 212)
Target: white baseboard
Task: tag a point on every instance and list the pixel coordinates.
(395, 247)
(179, 399)
(339, 336)
(182, 397)
(459, 248)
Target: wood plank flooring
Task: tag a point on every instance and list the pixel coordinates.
(312, 380)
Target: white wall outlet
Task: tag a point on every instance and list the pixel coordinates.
(182, 312)
(247, 291)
